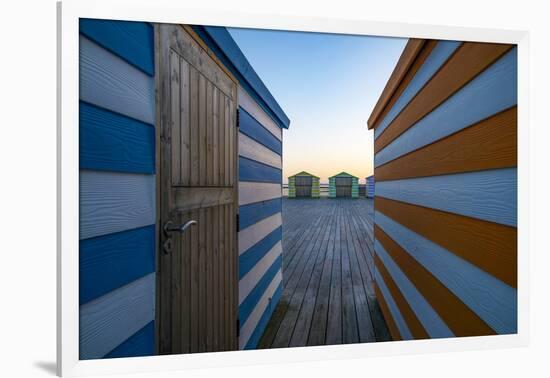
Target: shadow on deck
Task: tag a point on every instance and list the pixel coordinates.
(328, 272)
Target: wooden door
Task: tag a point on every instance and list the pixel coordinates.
(303, 186)
(198, 281)
(343, 186)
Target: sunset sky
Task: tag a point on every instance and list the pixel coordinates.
(327, 84)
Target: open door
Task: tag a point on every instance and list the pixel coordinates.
(197, 264)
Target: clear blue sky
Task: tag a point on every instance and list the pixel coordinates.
(327, 84)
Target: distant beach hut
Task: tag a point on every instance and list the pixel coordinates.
(302, 185)
(370, 187)
(343, 185)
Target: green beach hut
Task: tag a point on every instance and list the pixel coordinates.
(343, 185)
(303, 185)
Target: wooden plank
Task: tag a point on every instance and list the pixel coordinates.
(216, 275)
(396, 315)
(422, 320)
(254, 339)
(195, 278)
(252, 192)
(246, 102)
(253, 150)
(251, 170)
(202, 146)
(487, 195)
(176, 304)
(175, 119)
(433, 61)
(194, 125)
(251, 235)
(350, 333)
(185, 120)
(493, 91)
(482, 301)
(227, 299)
(132, 41)
(249, 326)
(221, 137)
(407, 58)
(140, 344)
(470, 60)
(110, 261)
(249, 126)
(249, 258)
(255, 212)
(215, 137)
(221, 271)
(114, 202)
(489, 246)
(109, 320)
(489, 144)
(186, 198)
(209, 278)
(109, 82)
(209, 135)
(228, 147)
(112, 142)
(185, 285)
(334, 319)
(250, 280)
(387, 315)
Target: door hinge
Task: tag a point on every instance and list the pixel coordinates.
(237, 222)
(238, 118)
(238, 327)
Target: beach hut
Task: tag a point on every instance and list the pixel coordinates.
(303, 185)
(180, 191)
(343, 185)
(370, 187)
(445, 144)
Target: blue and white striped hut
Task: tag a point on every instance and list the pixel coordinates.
(180, 191)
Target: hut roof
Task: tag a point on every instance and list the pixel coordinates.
(343, 174)
(303, 173)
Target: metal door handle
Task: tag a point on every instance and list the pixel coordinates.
(169, 226)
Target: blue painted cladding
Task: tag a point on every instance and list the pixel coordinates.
(248, 305)
(114, 260)
(113, 142)
(262, 323)
(490, 195)
(132, 41)
(251, 170)
(222, 44)
(439, 55)
(494, 90)
(249, 126)
(491, 299)
(251, 256)
(255, 212)
(142, 343)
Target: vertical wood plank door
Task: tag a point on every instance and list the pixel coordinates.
(303, 186)
(198, 279)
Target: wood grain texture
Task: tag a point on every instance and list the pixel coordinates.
(486, 304)
(110, 261)
(489, 144)
(132, 41)
(493, 91)
(396, 315)
(249, 258)
(425, 313)
(251, 170)
(109, 320)
(387, 314)
(113, 202)
(253, 277)
(417, 330)
(490, 246)
(246, 102)
(252, 322)
(141, 343)
(251, 192)
(109, 82)
(255, 212)
(257, 231)
(112, 142)
(437, 57)
(470, 59)
(249, 126)
(407, 58)
(487, 195)
(253, 150)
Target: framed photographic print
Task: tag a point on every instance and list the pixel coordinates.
(234, 188)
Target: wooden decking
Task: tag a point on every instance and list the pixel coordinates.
(328, 267)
